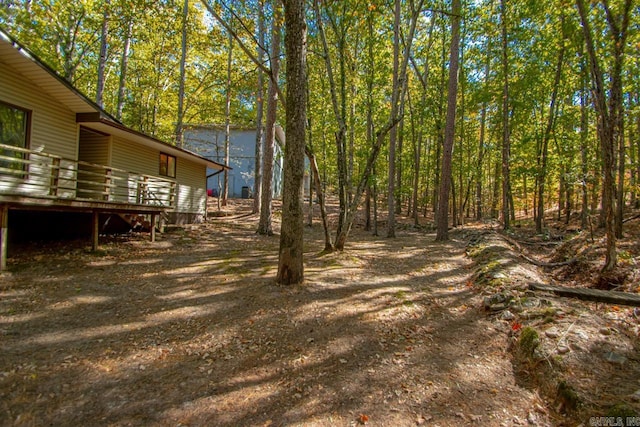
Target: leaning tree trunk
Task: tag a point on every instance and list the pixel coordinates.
(265, 226)
(339, 112)
(257, 174)
(542, 173)
(442, 219)
(608, 106)
(328, 247)
(341, 236)
(290, 260)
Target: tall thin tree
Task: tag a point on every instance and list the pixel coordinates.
(227, 122)
(506, 127)
(257, 174)
(608, 105)
(265, 225)
(393, 133)
(182, 77)
(102, 60)
(442, 219)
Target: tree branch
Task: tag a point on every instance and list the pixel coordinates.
(243, 46)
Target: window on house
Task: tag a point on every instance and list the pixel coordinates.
(14, 131)
(167, 165)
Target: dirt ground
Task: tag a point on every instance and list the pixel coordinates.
(192, 331)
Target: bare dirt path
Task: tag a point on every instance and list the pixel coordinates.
(192, 331)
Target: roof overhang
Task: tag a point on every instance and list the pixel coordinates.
(97, 122)
(31, 68)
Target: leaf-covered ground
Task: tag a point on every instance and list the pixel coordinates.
(192, 331)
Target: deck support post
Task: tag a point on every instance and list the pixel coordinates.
(154, 220)
(95, 228)
(4, 231)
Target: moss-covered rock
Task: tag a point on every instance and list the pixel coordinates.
(567, 397)
(528, 341)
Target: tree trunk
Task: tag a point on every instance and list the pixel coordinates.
(102, 61)
(265, 226)
(183, 61)
(542, 172)
(257, 174)
(442, 219)
(328, 247)
(584, 134)
(290, 260)
(506, 144)
(481, 150)
(608, 106)
(124, 65)
(621, 171)
(416, 141)
(339, 111)
(495, 195)
(227, 122)
(341, 236)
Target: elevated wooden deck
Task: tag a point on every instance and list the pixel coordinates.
(32, 180)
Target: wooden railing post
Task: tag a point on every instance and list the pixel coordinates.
(4, 230)
(55, 176)
(143, 188)
(154, 222)
(95, 230)
(172, 194)
(107, 184)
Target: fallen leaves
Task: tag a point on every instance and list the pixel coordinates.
(363, 419)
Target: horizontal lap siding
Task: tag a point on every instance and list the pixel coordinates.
(131, 157)
(134, 157)
(53, 126)
(191, 194)
(93, 149)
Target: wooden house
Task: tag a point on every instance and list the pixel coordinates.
(61, 153)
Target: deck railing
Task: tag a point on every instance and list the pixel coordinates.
(38, 174)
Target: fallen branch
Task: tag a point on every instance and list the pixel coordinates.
(631, 218)
(597, 295)
(549, 264)
(535, 261)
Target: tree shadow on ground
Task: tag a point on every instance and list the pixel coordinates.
(192, 330)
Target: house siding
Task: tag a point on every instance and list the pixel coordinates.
(134, 157)
(94, 148)
(53, 127)
(191, 192)
(191, 196)
(60, 142)
(53, 130)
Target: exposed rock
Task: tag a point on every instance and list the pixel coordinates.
(552, 333)
(507, 315)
